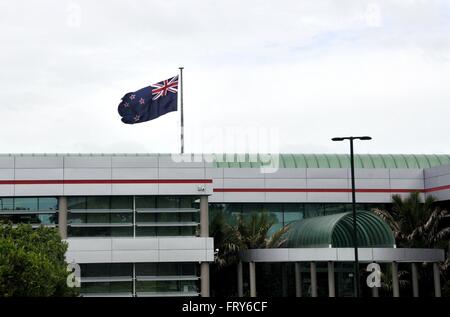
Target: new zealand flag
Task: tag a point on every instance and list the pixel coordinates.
(150, 102)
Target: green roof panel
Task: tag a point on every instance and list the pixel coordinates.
(337, 231)
(413, 161)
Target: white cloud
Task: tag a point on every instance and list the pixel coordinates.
(311, 69)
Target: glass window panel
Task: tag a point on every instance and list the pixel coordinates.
(145, 217)
(121, 218)
(334, 208)
(313, 210)
(145, 202)
(98, 202)
(167, 231)
(121, 202)
(92, 288)
(146, 269)
(146, 231)
(292, 212)
(168, 217)
(76, 202)
(77, 218)
(121, 231)
(147, 286)
(44, 219)
(28, 203)
(188, 231)
(274, 228)
(168, 286)
(6, 203)
(94, 270)
(188, 286)
(187, 201)
(97, 218)
(89, 232)
(215, 209)
(187, 216)
(188, 269)
(233, 209)
(251, 208)
(167, 202)
(47, 203)
(168, 269)
(121, 287)
(121, 269)
(275, 213)
(47, 219)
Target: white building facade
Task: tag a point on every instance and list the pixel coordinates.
(138, 224)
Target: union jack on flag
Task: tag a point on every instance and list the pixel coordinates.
(165, 86)
(150, 102)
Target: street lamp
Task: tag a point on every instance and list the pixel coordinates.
(355, 239)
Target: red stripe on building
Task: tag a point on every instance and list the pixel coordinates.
(104, 181)
(314, 190)
(219, 190)
(435, 189)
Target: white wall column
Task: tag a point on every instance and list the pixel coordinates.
(252, 270)
(204, 232)
(331, 281)
(437, 280)
(375, 292)
(395, 283)
(62, 216)
(204, 279)
(240, 280)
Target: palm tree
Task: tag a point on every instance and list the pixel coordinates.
(236, 233)
(415, 223)
(233, 234)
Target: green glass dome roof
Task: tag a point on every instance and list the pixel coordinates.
(337, 231)
(335, 160)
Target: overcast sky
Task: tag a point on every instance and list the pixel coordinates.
(301, 71)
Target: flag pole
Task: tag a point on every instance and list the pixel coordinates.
(181, 110)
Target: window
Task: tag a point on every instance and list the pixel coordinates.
(167, 202)
(146, 231)
(97, 218)
(6, 203)
(293, 212)
(251, 208)
(106, 269)
(121, 202)
(313, 210)
(145, 202)
(167, 231)
(76, 203)
(47, 203)
(335, 208)
(97, 202)
(188, 202)
(26, 203)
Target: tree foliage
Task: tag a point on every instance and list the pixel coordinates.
(415, 224)
(418, 224)
(32, 262)
(236, 233)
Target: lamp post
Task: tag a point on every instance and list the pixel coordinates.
(355, 230)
